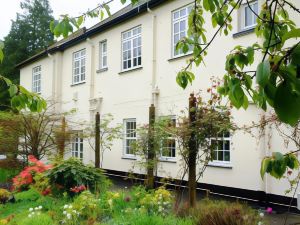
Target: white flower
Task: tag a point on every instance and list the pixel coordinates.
(125, 187)
(70, 206)
(74, 211)
(31, 209)
(36, 208)
(69, 216)
(64, 212)
(40, 207)
(66, 206)
(261, 214)
(260, 223)
(29, 215)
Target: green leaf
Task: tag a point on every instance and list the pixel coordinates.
(107, 9)
(265, 163)
(295, 56)
(13, 89)
(292, 161)
(295, 33)
(285, 104)
(79, 21)
(1, 51)
(263, 73)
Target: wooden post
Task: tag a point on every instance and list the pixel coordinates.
(62, 138)
(97, 140)
(192, 152)
(151, 150)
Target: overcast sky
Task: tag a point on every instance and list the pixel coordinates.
(72, 7)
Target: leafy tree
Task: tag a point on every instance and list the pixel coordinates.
(29, 34)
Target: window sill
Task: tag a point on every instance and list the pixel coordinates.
(128, 157)
(83, 82)
(243, 32)
(168, 160)
(101, 70)
(131, 70)
(219, 164)
(180, 57)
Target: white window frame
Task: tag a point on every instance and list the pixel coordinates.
(169, 158)
(126, 137)
(80, 57)
(223, 163)
(134, 35)
(77, 145)
(178, 20)
(243, 15)
(37, 79)
(103, 55)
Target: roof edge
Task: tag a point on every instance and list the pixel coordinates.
(91, 32)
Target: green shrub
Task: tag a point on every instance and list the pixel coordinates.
(29, 195)
(7, 174)
(209, 212)
(42, 219)
(72, 173)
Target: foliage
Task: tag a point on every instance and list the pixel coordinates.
(15, 97)
(29, 195)
(72, 172)
(29, 34)
(7, 174)
(26, 177)
(4, 195)
(209, 212)
(41, 184)
(159, 134)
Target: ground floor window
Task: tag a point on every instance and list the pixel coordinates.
(168, 147)
(77, 145)
(222, 148)
(129, 136)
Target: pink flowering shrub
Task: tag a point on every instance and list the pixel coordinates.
(26, 177)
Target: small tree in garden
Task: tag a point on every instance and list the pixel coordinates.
(156, 136)
(108, 134)
(198, 135)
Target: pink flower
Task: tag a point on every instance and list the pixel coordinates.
(269, 210)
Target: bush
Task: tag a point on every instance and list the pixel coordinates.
(72, 173)
(209, 212)
(29, 195)
(6, 175)
(25, 178)
(4, 196)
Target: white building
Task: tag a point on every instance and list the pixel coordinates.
(125, 63)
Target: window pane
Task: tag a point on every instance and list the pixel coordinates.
(220, 155)
(248, 17)
(227, 156)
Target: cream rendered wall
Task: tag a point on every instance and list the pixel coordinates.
(128, 95)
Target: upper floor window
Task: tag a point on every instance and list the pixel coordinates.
(79, 66)
(129, 136)
(36, 79)
(180, 27)
(132, 48)
(103, 54)
(248, 15)
(168, 146)
(221, 153)
(77, 145)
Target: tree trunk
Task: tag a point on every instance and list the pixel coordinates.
(97, 141)
(192, 152)
(151, 150)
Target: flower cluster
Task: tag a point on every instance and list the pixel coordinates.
(78, 189)
(159, 202)
(25, 178)
(71, 214)
(35, 211)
